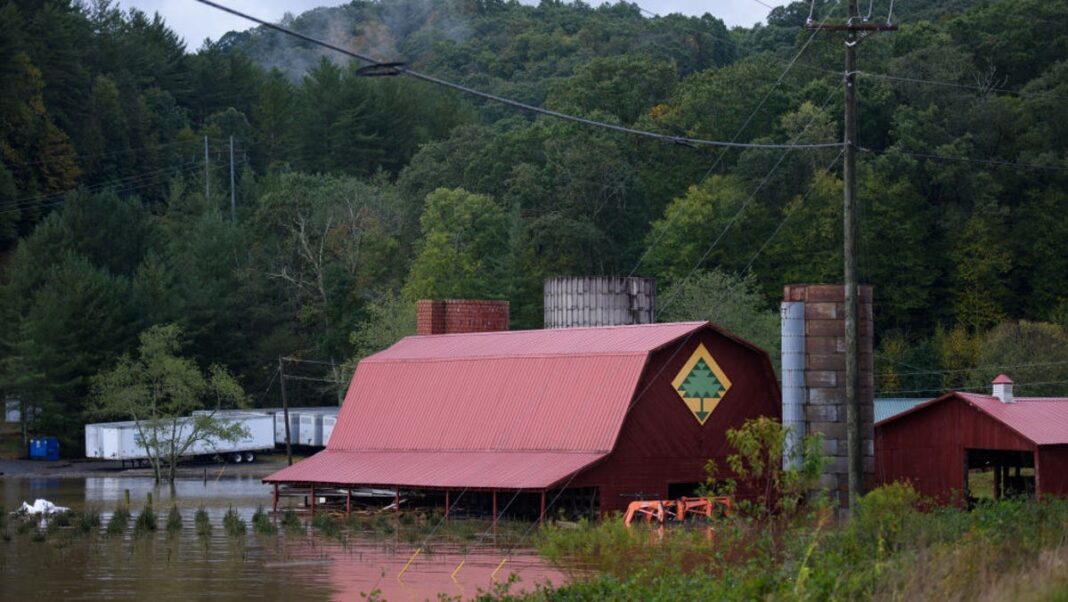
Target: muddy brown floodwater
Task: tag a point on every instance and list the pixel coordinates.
(288, 566)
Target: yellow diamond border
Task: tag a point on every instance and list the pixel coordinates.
(694, 403)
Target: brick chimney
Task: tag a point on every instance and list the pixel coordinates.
(813, 376)
(452, 316)
(1002, 389)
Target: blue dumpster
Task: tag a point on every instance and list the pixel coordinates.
(44, 448)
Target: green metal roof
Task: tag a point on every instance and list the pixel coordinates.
(892, 406)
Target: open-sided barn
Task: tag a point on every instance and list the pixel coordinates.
(617, 412)
(1022, 441)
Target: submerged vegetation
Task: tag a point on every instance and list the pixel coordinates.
(890, 550)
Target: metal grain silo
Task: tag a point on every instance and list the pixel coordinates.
(573, 301)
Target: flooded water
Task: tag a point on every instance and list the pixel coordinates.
(289, 566)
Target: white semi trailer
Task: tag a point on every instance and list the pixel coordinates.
(120, 440)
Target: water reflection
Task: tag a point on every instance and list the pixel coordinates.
(287, 567)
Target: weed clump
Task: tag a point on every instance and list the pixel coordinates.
(326, 524)
(202, 522)
(233, 523)
(261, 523)
(291, 522)
(88, 520)
(145, 523)
(120, 519)
(174, 520)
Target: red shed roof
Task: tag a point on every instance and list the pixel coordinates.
(513, 409)
(1042, 420)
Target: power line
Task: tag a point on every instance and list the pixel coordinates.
(975, 369)
(787, 216)
(738, 214)
(945, 84)
(978, 388)
(683, 140)
(745, 124)
(997, 162)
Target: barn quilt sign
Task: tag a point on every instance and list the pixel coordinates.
(701, 384)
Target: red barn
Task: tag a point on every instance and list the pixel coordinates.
(613, 412)
(939, 443)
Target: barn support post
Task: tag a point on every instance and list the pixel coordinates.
(494, 509)
(312, 496)
(541, 514)
(396, 501)
(348, 502)
(997, 481)
(274, 505)
(446, 505)
(1038, 481)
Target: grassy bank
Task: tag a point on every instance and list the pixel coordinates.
(1009, 550)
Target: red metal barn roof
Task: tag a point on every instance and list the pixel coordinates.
(519, 409)
(1041, 420)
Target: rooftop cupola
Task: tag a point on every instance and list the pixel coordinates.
(1002, 386)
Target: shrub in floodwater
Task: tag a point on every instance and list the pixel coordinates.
(291, 522)
(120, 518)
(145, 523)
(326, 524)
(383, 525)
(25, 525)
(202, 522)
(174, 520)
(233, 523)
(61, 519)
(262, 524)
(88, 520)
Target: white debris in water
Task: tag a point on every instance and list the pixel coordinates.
(41, 507)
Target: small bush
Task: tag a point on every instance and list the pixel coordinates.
(61, 519)
(174, 520)
(202, 522)
(291, 522)
(233, 523)
(88, 520)
(261, 523)
(120, 519)
(325, 524)
(145, 523)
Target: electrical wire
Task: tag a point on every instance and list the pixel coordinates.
(738, 214)
(787, 216)
(997, 162)
(745, 124)
(683, 140)
(945, 84)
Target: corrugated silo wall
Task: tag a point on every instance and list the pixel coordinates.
(575, 301)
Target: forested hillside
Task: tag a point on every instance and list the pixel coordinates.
(354, 196)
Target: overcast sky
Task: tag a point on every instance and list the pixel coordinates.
(194, 21)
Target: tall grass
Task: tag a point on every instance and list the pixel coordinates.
(261, 523)
(202, 522)
(174, 520)
(889, 550)
(120, 519)
(233, 524)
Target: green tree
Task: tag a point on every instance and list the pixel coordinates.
(159, 390)
(1033, 354)
(462, 251)
(729, 301)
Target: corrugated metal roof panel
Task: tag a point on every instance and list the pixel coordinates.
(639, 338)
(489, 470)
(1043, 420)
(517, 404)
(887, 407)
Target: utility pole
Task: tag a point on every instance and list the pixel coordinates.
(233, 203)
(853, 26)
(285, 408)
(207, 179)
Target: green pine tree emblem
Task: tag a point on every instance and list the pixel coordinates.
(703, 385)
